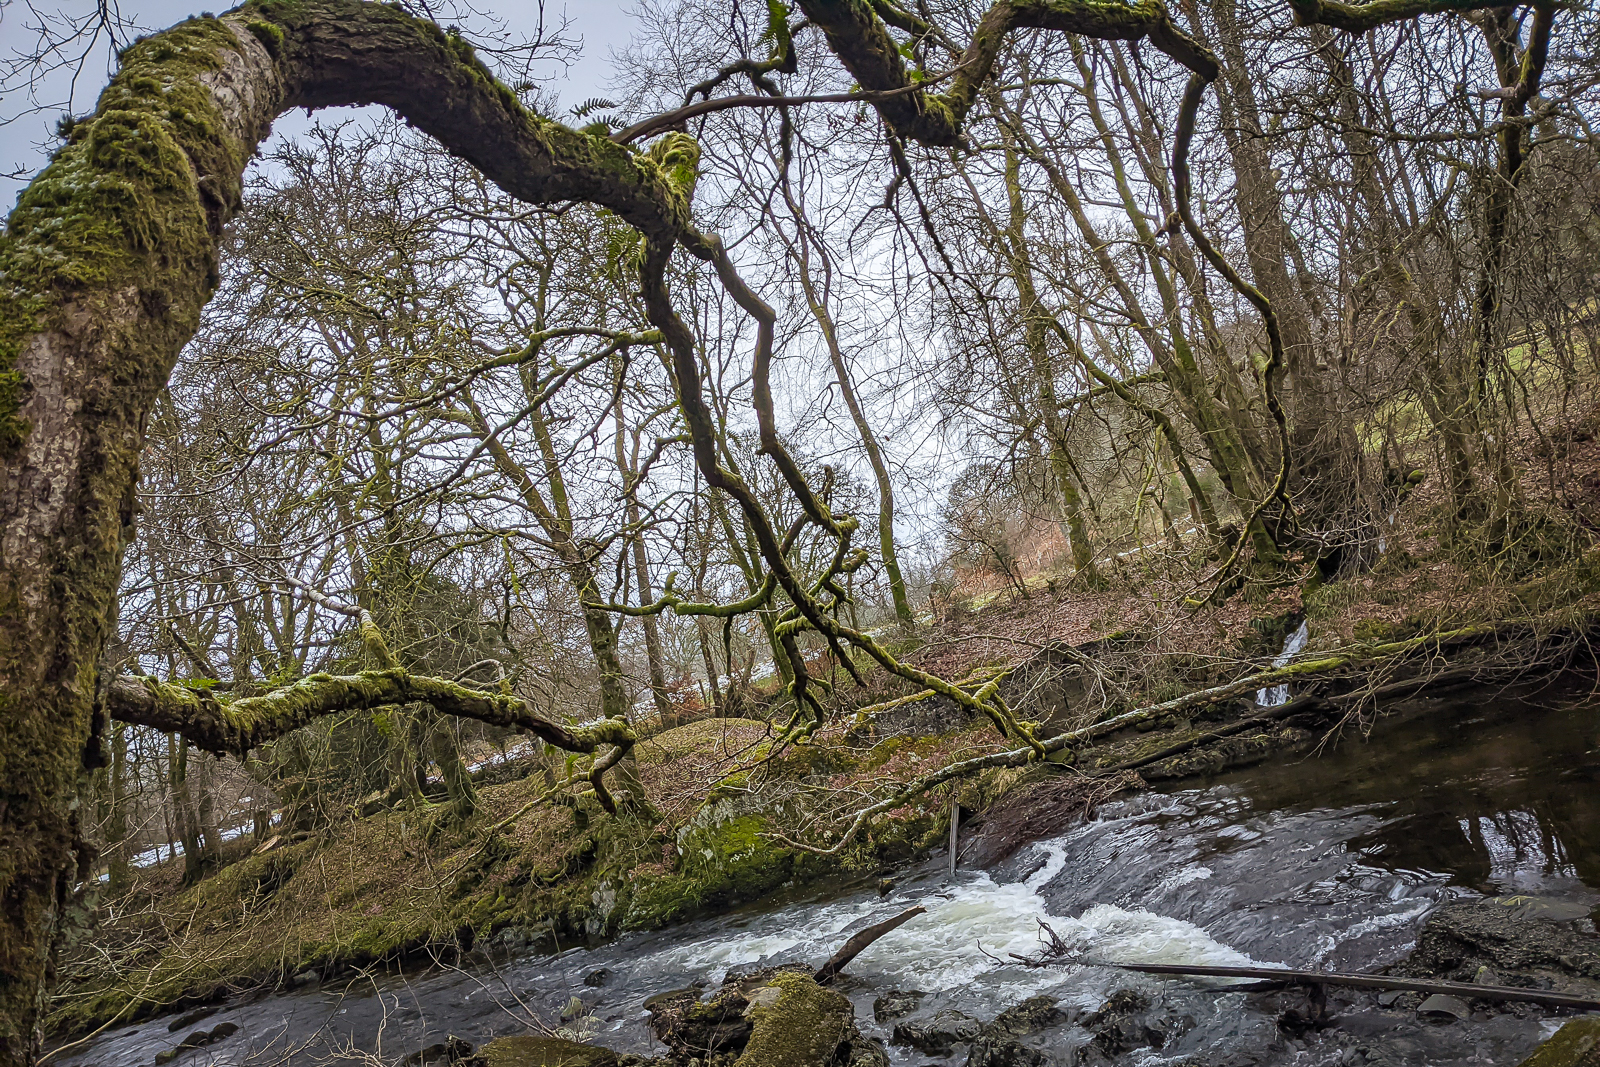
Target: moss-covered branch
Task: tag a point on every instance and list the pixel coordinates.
(857, 35)
(1325, 665)
(237, 726)
(1359, 18)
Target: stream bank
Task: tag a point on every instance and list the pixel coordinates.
(1340, 861)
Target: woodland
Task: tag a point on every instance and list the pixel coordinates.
(1033, 368)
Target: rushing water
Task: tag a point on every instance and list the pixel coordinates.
(1331, 861)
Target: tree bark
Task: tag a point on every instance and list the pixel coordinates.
(107, 260)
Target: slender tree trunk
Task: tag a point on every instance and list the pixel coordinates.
(1036, 341)
(116, 824)
(817, 300)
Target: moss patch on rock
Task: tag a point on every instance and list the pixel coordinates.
(527, 1051)
(797, 1023)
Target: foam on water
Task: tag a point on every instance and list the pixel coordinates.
(965, 941)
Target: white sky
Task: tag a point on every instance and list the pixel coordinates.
(603, 25)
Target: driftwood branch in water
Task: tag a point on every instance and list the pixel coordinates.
(859, 942)
(1358, 981)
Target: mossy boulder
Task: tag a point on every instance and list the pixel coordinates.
(524, 1050)
(1577, 1044)
(797, 1023)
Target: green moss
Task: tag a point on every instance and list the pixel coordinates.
(804, 1025)
(270, 34)
(526, 1051)
(124, 183)
(1576, 1044)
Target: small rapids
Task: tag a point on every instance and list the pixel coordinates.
(1333, 862)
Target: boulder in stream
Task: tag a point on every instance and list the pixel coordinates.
(1120, 1025)
(1517, 943)
(798, 1023)
(997, 1045)
(1577, 1044)
(895, 1003)
(774, 1017)
(940, 1034)
(525, 1050)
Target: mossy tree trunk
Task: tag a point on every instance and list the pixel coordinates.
(106, 263)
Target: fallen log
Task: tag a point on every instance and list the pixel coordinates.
(859, 942)
(1465, 990)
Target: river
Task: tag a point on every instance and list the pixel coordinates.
(1330, 861)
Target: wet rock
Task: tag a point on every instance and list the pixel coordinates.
(1003, 1052)
(940, 1034)
(1029, 1017)
(997, 1045)
(1512, 941)
(1461, 938)
(451, 1050)
(1522, 906)
(1443, 1009)
(896, 1003)
(1119, 1026)
(525, 1050)
(772, 1017)
(693, 1028)
(597, 977)
(190, 1018)
(797, 1023)
(1577, 1044)
(197, 1039)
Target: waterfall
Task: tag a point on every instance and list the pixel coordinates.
(1279, 694)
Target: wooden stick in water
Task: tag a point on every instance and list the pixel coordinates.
(859, 942)
(1363, 981)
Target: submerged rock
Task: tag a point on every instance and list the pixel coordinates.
(997, 1045)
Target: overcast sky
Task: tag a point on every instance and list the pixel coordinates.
(603, 25)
